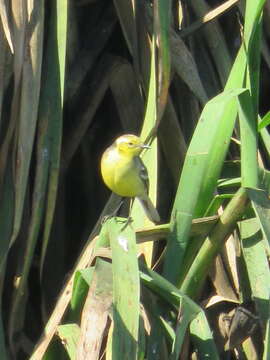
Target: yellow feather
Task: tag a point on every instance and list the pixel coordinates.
(124, 173)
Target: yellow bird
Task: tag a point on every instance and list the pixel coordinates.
(125, 174)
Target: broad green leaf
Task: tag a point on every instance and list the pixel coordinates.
(126, 289)
(199, 176)
(257, 265)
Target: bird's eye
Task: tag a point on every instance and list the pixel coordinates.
(130, 144)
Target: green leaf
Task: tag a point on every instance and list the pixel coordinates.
(201, 170)
(257, 265)
(51, 106)
(150, 156)
(199, 269)
(126, 289)
(185, 318)
(69, 335)
(248, 133)
(82, 281)
(261, 205)
(202, 338)
(264, 122)
(266, 353)
(189, 311)
(209, 146)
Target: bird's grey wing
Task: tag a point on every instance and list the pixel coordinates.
(142, 171)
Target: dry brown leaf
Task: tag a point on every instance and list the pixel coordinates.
(229, 257)
(221, 281)
(94, 320)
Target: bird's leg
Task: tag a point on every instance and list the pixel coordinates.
(129, 218)
(126, 221)
(130, 207)
(118, 207)
(114, 213)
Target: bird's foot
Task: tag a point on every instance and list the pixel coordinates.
(106, 218)
(113, 214)
(126, 222)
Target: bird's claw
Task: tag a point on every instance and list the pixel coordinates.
(106, 218)
(126, 222)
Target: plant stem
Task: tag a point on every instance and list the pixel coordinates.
(198, 271)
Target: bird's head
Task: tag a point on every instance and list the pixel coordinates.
(130, 144)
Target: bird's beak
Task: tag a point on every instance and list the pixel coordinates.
(144, 146)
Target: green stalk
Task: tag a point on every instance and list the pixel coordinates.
(198, 271)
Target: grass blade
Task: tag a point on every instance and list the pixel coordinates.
(266, 353)
(149, 157)
(81, 283)
(69, 335)
(264, 122)
(261, 205)
(162, 20)
(52, 103)
(31, 73)
(257, 265)
(126, 290)
(39, 193)
(202, 337)
(248, 133)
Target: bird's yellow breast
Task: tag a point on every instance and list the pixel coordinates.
(121, 174)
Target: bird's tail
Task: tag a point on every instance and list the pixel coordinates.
(149, 208)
